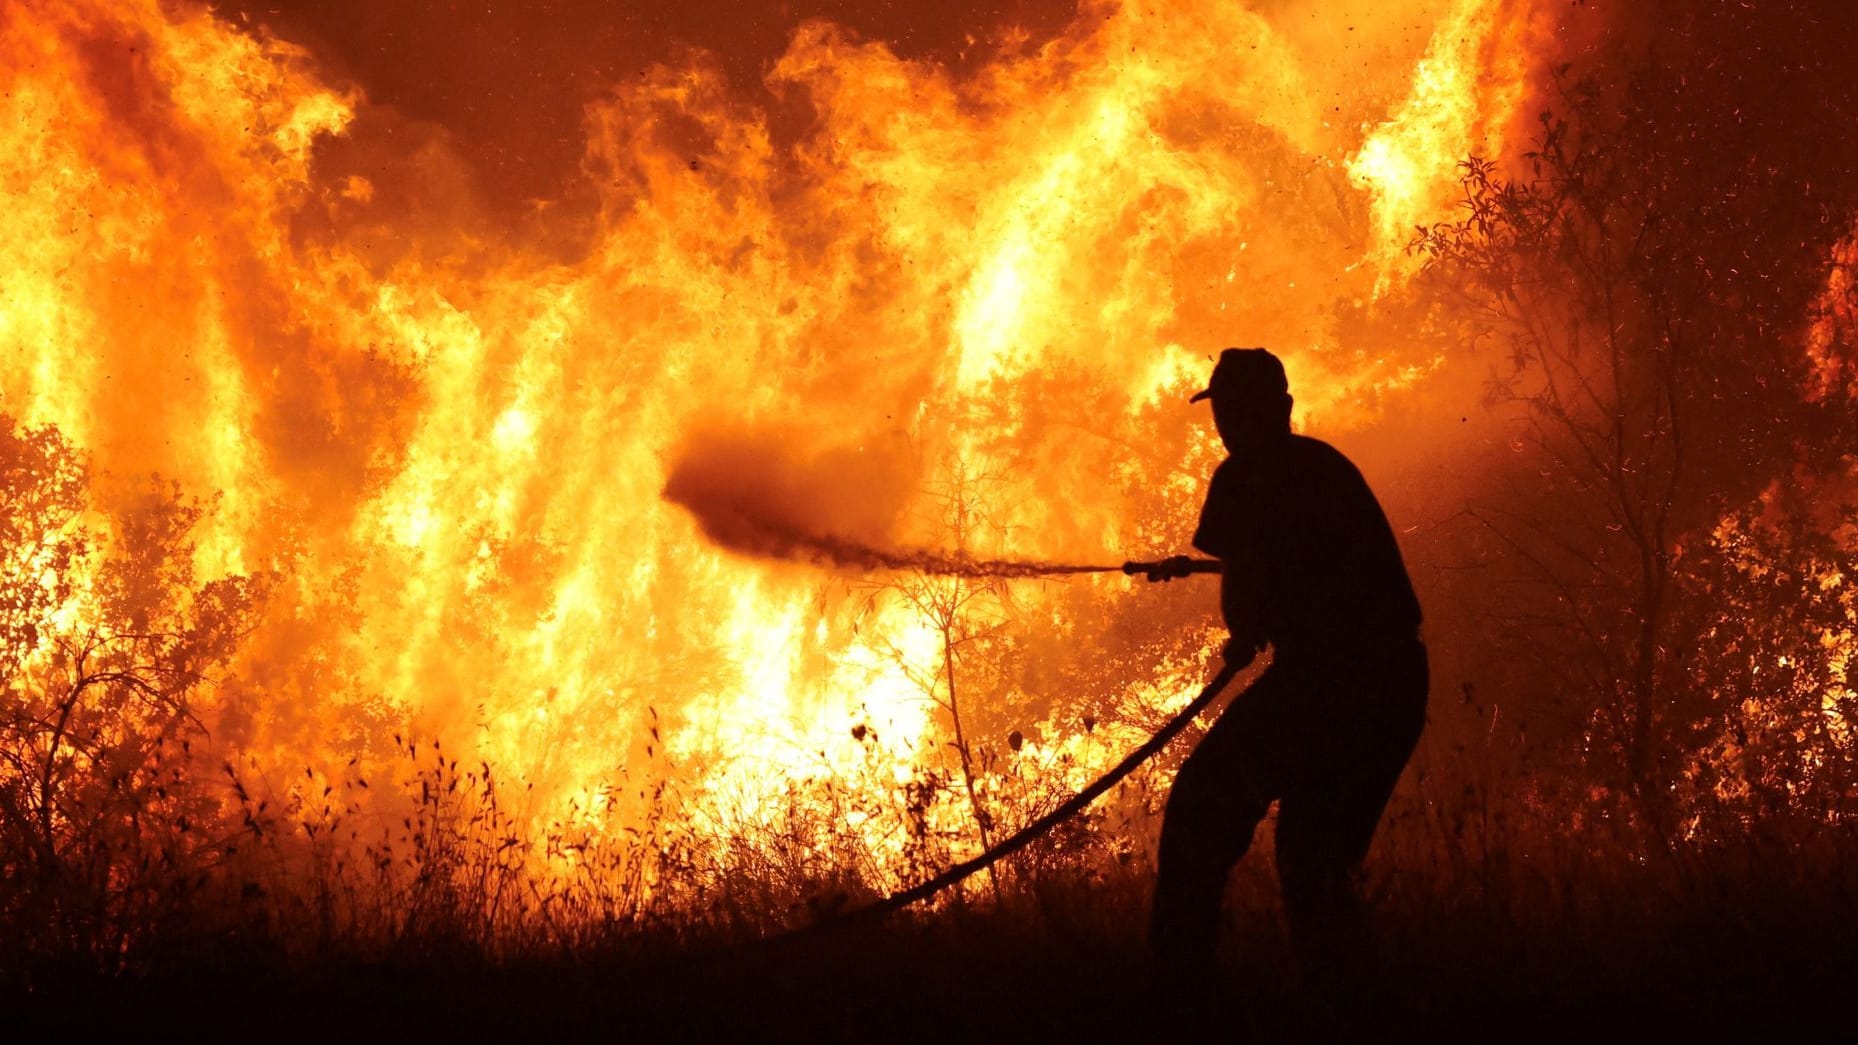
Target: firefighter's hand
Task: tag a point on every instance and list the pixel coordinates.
(1170, 568)
(1239, 652)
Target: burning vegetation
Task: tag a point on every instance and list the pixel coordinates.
(697, 540)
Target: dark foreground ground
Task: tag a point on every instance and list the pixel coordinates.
(1027, 975)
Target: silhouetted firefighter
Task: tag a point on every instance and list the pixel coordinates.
(1308, 565)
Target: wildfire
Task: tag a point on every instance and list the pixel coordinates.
(978, 299)
(1465, 91)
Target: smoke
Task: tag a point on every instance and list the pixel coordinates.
(509, 82)
(774, 494)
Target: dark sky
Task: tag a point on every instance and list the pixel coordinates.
(508, 78)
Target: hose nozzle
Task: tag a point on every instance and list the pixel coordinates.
(1170, 568)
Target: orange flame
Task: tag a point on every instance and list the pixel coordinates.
(449, 444)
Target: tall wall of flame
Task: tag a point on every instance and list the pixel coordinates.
(447, 442)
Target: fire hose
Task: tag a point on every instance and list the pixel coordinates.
(896, 901)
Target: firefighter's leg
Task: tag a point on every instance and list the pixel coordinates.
(1327, 819)
(1223, 789)
(1319, 846)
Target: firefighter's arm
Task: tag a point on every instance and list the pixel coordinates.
(1238, 604)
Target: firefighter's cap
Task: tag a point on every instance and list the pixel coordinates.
(1245, 374)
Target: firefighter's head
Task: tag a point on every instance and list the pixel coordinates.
(1251, 397)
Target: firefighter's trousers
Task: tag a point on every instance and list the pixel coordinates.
(1324, 734)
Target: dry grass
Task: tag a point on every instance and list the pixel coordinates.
(1494, 916)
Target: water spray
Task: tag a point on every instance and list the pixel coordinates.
(943, 564)
(762, 536)
(759, 502)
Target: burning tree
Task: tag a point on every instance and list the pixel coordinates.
(965, 613)
(1775, 656)
(101, 659)
(1645, 271)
